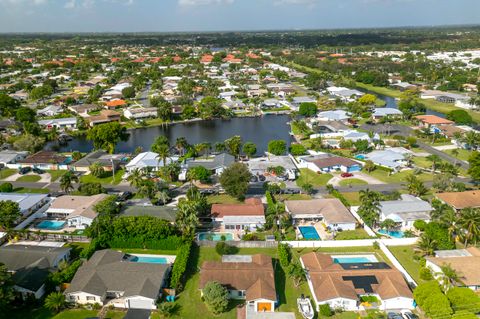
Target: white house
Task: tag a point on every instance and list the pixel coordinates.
(149, 161)
(239, 217)
(405, 211)
(140, 113)
(59, 124)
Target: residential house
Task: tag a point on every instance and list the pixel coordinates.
(31, 266)
(60, 124)
(432, 122)
(235, 105)
(403, 86)
(463, 261)
(215, 165)
(328, 127)
(28, 203)
(50, 110)
(239, 217)
(381, 112)
(113, 278)
(262, 165)
(405, 211)
(388, 158)
(83, 109)
(140, 113)
(328, 211)
(247, 277)
(298, 100)
(164, 212)
(341, 285)
(46, 160)
(11, 157)
(344, 94)
(105, 116)
(461, 200)
(271, 103)
(108, 161)
(78, 211)
(148, 161)
(113, 104)
(335, 115)
(325, 163)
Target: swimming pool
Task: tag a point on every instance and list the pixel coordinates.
(354, 259)
(149, 259)
(51, 224)
(392, 233)
(215, 236)
(309, 232)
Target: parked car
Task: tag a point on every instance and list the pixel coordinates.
(124, 196)
(345, 175)
(24, 170)
(208, 191)
(37, 170)
(262, 178)
(394, 315)
(407, 314)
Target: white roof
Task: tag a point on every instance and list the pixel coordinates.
(25, 201)
(147, 159)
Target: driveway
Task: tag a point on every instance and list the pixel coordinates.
(335, 181)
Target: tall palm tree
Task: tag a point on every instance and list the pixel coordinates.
(435, 159)
(469, 221)
(276, 215)
(369, 208)
(472, 139)
(181, 145)
(136, 178)
(55, 301)
(450, 276)
(161, 146)
(426, 245)
(96, 169)
(415, 186)
(162, 196)
(187, 219)
(67, 180)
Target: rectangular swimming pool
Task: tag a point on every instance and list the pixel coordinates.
(354, 259)
(149, 260)
(215, 236)
(51, 224)
(309, 232)
(392, 233)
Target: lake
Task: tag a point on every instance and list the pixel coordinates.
(259, 130)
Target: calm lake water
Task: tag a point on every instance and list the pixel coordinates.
(259, 130)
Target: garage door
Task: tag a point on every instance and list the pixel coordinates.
(264, 306)
(140, 303)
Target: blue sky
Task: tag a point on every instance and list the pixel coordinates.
(217, 15)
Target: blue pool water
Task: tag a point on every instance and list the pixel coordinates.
(51, 224)
(352, 260)
(392, 233)
(215, 236)
(309, 232)
(149, 260)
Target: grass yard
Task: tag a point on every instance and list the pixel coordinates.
(222, 199)
(353, 198)
(284, 197)
(56, 174)
(399, 177)
(422, 162)
(103, 180)
(6, 172)
(115, 314)
(31, 190)
(29, 178)
(404, 255)
(42, 313)
(352, 181)
(462, 154)
(358, 233)
(309, 176)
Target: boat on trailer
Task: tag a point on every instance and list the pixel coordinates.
(305, 307)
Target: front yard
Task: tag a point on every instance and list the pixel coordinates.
(29, 178)
(108, 179)
(6, 172)
(384, 175)
(310, 177)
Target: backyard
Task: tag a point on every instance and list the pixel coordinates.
(308, 176)
(406, 256)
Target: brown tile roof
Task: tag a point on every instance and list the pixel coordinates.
(78, 205)
(328, 279)
(251, 207)
(256, 277)
(334, 161)
(461, 200)
(466, 267)
(44, 157)
(332, 209)
(432, 119)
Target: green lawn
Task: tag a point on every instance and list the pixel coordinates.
(404, 255)
(103, 180)
(309, 176)
(42, 313)
(284, 197)
(29, 178)
(115, 314)
(6, 172)
(353, 198)
(422, 162)
(222, 199)
(56, 174)
(352, 181)
(76, 314)
(383, 175)
(358, 233)
(31, 190)
(462, 154)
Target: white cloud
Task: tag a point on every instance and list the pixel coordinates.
(20, 2)
(189, 3)
(73, 4)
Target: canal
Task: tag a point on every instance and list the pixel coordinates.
(259, 130)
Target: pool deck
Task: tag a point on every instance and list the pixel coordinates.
(324, 235)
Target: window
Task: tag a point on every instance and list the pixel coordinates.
(89, 298)
(241, 293)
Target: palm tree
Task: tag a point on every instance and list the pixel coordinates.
(415, 186)
(450, 276)
(472, 139)
(426, 245)
(161, 146)
(187, 219)
(369, 208)
(55, 301)
(67, 180)
(469, 222)
(181, 145)
(435, 159)
(388, 224)
(96, 169)
(276, 215)
(162, 196)
(135, 178)
(234, 145)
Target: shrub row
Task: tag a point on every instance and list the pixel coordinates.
(284, 255)
(169, 243)
(180, 265)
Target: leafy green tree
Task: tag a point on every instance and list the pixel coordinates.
(369, 166)
(211, 107)
(8, 105)
(199, 173)
(106, 136)
(97, 170)
(367, 99)
(308, 109)
(26, 115)
(460, 117)
(167, 309)
(90, 189)
(410, 105)
(469, 221)
(250, 149)
(234, 145)
(215, 297)
(463, 298)
(474, 169)
(128, 92)
(235, 180)
(388, 224)
(107, 206)
(297, 149)
(67, 180)
(136, 178)
(297, 273)
(7, 293)
(55, 301)
(415, 186)
(9, 213)
(369, 208)
(29, 142)
(277, 147)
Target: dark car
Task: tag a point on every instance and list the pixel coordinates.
(394, 315)
(37, 170)
(409, 315)
(344, 175)
(124, 196)
(24, 170)
(262, 178)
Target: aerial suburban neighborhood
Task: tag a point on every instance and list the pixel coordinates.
(252, 175)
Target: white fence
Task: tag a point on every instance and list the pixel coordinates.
(367, 228)
(32, 217)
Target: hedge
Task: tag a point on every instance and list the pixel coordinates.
(169, 243)
(180, 265)
(284, 255)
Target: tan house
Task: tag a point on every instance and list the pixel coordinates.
(239, 217)
(461, 200)
(105, 116)
(248, 277)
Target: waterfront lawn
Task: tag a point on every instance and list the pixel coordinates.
(222, 199)
(309, 176)
(352, 181)
(29, 178)
(358, 233)
(107, 180)
(405, 255)
(56, 174)
(6, 172)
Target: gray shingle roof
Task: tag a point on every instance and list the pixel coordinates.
(408, 208)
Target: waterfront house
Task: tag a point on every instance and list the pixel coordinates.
(381, 112)
(105, 116)
(140, 113)
(328, 211)
(78, 211)
(148, 161)
(11, 157)
(403, 86)
(46, 160)
(113, 278)
(388, 158)
(344, 94)
(246, 277)
(461, 200)
(216, 165)
(83, 109)
(405, 211)
(239, 217)
(262, 165)
(31, 265)
(342, 285)
(106, 160)
(325, 163)
(60, 124)
(335, 115)
(464, 261)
